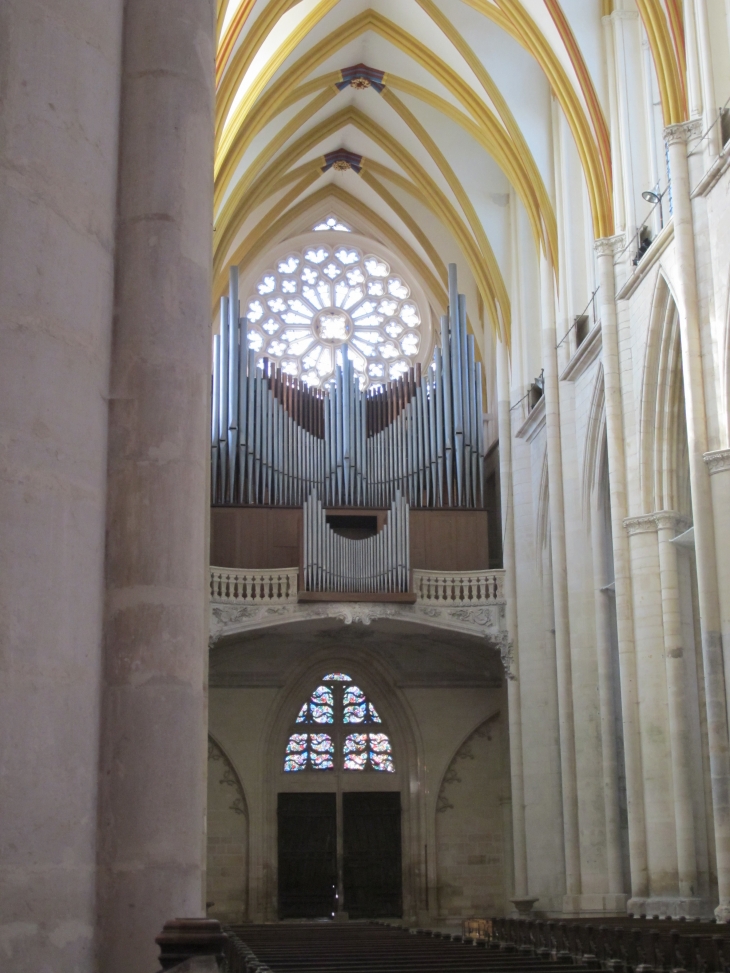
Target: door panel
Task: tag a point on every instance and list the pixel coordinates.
(372, 854)
(307, 826)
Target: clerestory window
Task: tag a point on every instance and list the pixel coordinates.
(354, 739)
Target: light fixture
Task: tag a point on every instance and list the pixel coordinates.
(654, 197)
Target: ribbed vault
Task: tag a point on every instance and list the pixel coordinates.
(422, 118)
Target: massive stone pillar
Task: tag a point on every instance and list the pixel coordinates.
(59, 99)
(560, 589)
(153, 761)
(715, 668)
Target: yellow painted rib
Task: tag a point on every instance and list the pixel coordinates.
(550, 236)
(228, 94)
(274, 227)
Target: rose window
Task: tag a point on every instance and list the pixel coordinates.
(319, 301)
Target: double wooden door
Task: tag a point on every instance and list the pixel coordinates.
(355, 854)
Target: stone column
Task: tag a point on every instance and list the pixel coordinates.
(668, 525)
(560, 587)
(59, 112)
(702, 511)
(514, 701)
(718, 465)
(153, 756)
(661, 838)
(605, 250)
(607, 705)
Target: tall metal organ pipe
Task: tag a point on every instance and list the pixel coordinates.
(274, 440)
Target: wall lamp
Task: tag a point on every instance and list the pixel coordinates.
(654, 197)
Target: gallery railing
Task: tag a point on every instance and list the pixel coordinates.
(459, 587)
(235, 586)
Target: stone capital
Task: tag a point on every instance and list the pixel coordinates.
(609, 245)
(671, 520)
(682, 132)
(718, 461)
(645, 524)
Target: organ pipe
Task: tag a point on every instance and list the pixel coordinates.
(335, 563)
(274, 440)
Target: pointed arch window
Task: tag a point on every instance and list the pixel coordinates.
(339, 703)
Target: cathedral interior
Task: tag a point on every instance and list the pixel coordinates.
(365, 485)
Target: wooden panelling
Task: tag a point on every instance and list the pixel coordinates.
(255, 537)
(449, 540)
(270, 537)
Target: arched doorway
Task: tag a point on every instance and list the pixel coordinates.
(339, 808)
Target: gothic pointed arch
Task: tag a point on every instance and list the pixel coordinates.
(664, 458)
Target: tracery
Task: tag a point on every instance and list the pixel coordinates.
(317, 299)
(340, 704)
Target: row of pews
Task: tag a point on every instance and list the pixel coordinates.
(379, 948)
(622, 944)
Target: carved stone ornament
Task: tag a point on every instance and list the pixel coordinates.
(485, 621)
(682, 132)
(718, 461)
(659, 520)
(671, 520)
(609, 244)
(645, 524)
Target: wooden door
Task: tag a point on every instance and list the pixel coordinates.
(372, 880)
(307, 825)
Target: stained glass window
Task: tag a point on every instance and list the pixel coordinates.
(320, 709)
(312, 304)
(296, 752)
(318, 748)
(375, 748)
(381, 756)
(356, 707)
(346, 705)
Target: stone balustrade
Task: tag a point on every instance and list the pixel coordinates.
(240, 586)
(459, 588)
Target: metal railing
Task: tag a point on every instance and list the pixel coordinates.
(236, 586)
(459, 587)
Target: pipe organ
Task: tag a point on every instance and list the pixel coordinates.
(336, 563)
(275, 441)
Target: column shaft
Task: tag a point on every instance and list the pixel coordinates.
(678, 722)
(621, 564)
(513, 685)
(607, 707)
(560, 585)
(661, 837)
(702, 512)
(151, 856)
(59, 114)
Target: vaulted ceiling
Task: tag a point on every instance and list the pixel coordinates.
(416, 120)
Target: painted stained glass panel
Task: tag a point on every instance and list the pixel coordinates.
(356, 751)
(381, 757)
(321, 751)
(296, 752)
(337, 677)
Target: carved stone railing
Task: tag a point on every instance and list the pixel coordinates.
(459, 587)
(238, 586)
